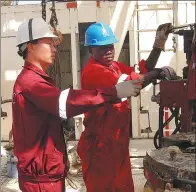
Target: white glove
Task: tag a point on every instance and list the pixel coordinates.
(162, 35)
(128, 88)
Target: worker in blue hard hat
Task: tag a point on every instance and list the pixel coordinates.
(104, 144)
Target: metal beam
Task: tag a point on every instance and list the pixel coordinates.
(155, 9)
(75, 53)
(75, 50)
(175, 23)
(134, 101)
(146, 30)
(120, 22)
(148, 51)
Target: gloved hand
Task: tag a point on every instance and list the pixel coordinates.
(162, 35)
(168, 73)
(128, 88)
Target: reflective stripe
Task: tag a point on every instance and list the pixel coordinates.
(62, 103)
(120, 80)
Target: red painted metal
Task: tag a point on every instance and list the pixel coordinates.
(166, 118)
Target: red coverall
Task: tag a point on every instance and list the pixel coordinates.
(38, 139)
(104, 144)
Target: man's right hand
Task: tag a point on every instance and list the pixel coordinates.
(128, 88)
(168, 73)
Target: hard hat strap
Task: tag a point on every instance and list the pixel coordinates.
(23, 47)
(30, 30)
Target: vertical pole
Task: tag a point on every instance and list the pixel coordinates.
(75, 53)
(75, 49)
(134, 101)
(166, 114)
(161, 114)
(175, 23)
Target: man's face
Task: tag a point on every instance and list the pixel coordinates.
(103, 54)
(44, 51)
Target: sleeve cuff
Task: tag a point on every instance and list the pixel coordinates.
(142, 67)
(135, 76)
(122, 78)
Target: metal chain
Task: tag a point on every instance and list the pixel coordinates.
(43, 9)
(54, 71)
(53, 19)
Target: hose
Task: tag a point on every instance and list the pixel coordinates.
(175, 113)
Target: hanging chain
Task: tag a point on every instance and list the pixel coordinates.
(54, 71)
(174, 44)
(53, 19)
(44, 9)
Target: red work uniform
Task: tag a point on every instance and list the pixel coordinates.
(38, 139)
(104, 144)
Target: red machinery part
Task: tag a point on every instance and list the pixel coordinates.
(166, 118)
(191, 84)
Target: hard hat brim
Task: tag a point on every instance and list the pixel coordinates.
(102, 43)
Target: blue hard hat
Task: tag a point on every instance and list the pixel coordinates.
(99, 34)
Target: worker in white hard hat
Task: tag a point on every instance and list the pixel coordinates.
(38, 107)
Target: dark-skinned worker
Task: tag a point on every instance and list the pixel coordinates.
(104, 144)
(38, 107)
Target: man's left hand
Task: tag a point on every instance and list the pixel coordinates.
(162, 35)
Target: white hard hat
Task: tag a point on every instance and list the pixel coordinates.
(32, 29)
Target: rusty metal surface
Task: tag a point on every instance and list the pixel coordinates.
(180, 139)
(161, 169)
(184, 137)
(168, 90)
(182, 167)
(175, 190)
(169, 98)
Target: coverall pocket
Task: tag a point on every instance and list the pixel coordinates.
(54, 163)
(30, 165)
